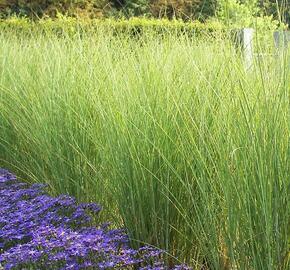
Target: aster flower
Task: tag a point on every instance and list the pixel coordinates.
(38, 231)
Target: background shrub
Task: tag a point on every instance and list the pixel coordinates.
(50, 8)
(232, 10)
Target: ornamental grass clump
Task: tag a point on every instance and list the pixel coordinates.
(38, 231)
(183, 146)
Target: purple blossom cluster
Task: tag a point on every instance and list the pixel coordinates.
(38, 231)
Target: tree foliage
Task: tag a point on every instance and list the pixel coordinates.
(50, 8)
(178, 9)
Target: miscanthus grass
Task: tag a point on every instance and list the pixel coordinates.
(187, 149)
(38, 231)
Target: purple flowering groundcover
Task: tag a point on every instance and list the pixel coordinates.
(38, 231)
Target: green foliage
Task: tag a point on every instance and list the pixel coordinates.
(246, 13)
(185, 9)
(43, 8)
(235, 12)
(171, 9)
(279, 9)
(134, 25)
(131, 8)
(231, 11)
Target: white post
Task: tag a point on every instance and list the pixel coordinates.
(243, 39)
(281, 39)
(247, 38)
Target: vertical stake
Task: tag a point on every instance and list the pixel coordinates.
(243, 39)
(281, 39)
(247, 38)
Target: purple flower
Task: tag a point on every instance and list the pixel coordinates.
(38, 231)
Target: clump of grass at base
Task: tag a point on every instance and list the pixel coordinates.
(188, 150)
